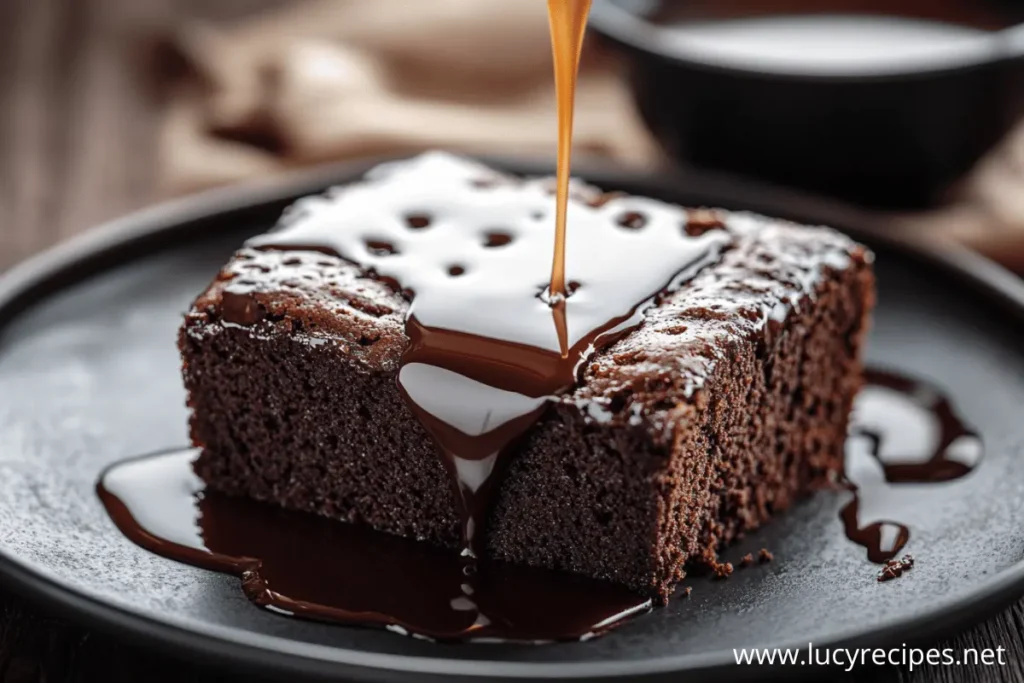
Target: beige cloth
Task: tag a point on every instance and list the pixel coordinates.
(318, 80)
(330, 79)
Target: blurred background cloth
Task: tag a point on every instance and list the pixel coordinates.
(322, 80)
(330, 79)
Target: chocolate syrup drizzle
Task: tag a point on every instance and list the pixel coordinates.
(903, 431)
(489, 344)
(303, 565)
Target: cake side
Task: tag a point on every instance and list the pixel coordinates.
(723, 414)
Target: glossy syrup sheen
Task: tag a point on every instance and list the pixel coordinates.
(903, 431)
(308, 566)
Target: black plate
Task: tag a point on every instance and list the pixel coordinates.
(89, 375)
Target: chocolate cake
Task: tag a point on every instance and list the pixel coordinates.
(700, 403)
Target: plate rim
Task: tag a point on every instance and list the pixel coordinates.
(148, 230)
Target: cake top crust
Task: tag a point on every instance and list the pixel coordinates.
(455, 235)
(337, 269)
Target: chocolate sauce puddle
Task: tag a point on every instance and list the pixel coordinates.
(312, 567)
(299, 564)
(903, 432)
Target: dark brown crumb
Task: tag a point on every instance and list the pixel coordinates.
(747, 560)
(722, 570)
(764, 556)
(687, 591)
(894, 569)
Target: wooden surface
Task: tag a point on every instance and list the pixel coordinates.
(77, 146)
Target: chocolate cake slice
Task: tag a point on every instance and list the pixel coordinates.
(710, 405)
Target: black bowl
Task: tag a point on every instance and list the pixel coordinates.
(880, 132)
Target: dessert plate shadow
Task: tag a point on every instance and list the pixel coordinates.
(89, 374)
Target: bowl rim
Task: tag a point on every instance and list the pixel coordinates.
(627, 30)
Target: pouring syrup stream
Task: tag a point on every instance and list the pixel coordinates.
(568, 20)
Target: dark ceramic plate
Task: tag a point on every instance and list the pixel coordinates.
(89, 375)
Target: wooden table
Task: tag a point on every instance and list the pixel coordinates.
(77, 146)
